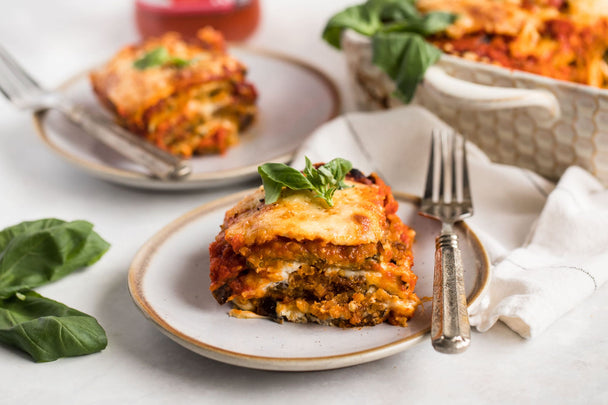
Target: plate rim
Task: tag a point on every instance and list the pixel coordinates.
(143, 257)
(216, 178)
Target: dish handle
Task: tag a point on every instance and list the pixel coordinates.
(473, 96)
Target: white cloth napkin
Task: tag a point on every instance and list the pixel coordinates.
(565, 260)
(539, 271)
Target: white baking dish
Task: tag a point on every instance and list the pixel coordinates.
(516, 117)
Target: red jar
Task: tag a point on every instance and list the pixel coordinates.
(236, 19)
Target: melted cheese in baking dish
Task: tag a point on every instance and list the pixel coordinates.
(357, 217)
(565, 40)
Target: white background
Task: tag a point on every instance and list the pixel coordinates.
(56, 39)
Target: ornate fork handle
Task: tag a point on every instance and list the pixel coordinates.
(450, 330)
(162, 164)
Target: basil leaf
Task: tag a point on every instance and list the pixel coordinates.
(7, 234)
(324, 181)
(339, 168)
(330, 178)
(276, 175)
(395, 10)
(312, 174)
(428, 24)
(435, 22)
(179, 62)
(366, 18)
(358, 18)
(39, 252)
(47, 329)
(159, 57)
(383, 16)
(272, 189)
(404, 57)
(156, 57)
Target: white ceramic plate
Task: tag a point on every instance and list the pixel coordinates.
(294, 99)
(169, 282)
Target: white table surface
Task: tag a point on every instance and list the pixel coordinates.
(55, 39)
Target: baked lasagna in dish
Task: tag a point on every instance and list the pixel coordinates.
(300, 260)
(185, 97)
(561, 39)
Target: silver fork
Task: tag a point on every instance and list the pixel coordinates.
(447, 197)
(25, 93)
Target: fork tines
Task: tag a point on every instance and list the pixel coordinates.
(447, 182)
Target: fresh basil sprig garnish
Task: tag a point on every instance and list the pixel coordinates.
(159, 57)
(397, 30)
(323, 181)
(35, 253)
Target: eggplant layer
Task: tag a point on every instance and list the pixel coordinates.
(332, 298)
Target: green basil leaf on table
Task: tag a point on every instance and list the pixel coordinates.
(47, 329)
(7, 234)
(34, 253)
(38, 252)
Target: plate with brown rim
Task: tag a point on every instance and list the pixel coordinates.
(169, 282)
(294, 98)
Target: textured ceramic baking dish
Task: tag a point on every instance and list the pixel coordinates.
(516, 117)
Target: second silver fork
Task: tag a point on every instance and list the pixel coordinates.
(447, 197)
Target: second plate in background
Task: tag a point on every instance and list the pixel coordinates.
(294, 99)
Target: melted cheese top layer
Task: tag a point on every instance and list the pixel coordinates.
(357, 217)
(132, 91)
